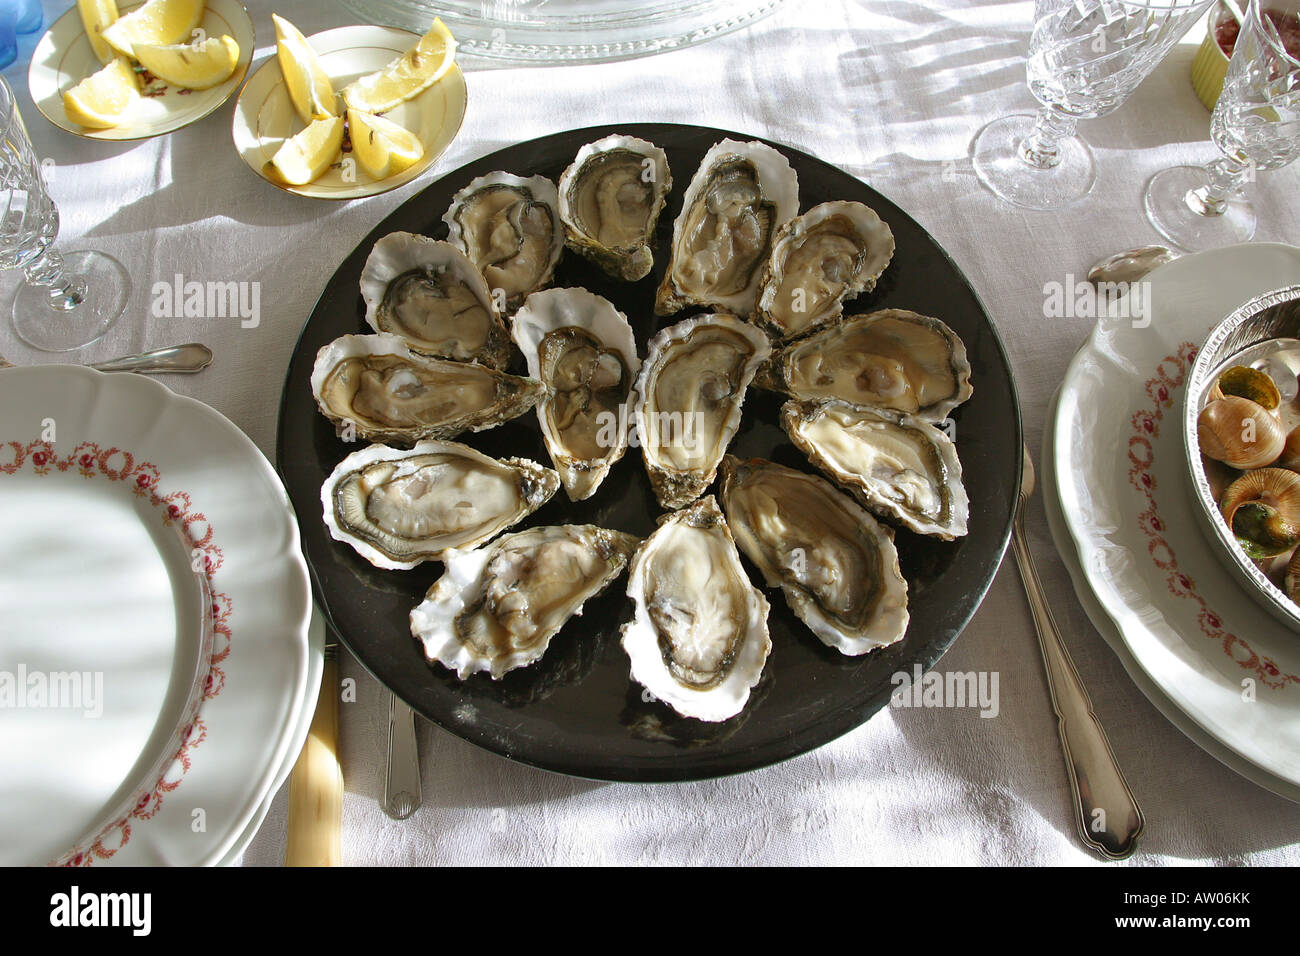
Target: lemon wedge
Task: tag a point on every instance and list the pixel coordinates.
(103, 99)
(193, 67)
(304, 157)
(410, 74)
(382, 147)
(308, 84)
(95, 15)
(158, 21)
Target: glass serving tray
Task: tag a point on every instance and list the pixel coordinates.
(569, 31)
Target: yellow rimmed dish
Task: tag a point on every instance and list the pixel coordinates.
(265, 117)
(63, 58)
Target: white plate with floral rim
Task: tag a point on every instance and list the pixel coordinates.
(1117, 455)
(265, 117)
(116, 491)
(316, 660)
(1105, 626)
(63, 58)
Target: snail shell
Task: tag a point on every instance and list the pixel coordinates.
(1262, 508)
(1292, 580)
(1290, 457)
(1251, 383)
(1240, 433)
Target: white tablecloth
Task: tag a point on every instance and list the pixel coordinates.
(892, 91)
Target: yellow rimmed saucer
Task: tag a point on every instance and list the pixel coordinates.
(265, 117)
(63, 58)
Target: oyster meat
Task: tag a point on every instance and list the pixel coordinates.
(610, 200)
(897, 465)
(740, 195)
(399, 508)
(688, 400)
(430, 294)
(497, 607)
(698, 639)
(833, 252)
(889, 359)
(835, 563)
(583, 351)
(385, 392)
(510, 228)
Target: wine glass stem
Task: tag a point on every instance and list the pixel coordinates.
(66, 292)
(1226, 178)
(1041, 148)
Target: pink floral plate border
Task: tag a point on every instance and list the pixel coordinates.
(177, 511)
(1162, 389)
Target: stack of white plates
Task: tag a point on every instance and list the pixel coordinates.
(1118, 498)
(157, 669)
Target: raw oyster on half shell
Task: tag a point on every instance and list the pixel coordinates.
(497, 607)
(399, 508)
(740, 196)
(583, 351)
(610, 200)
(698, 639)
(897, 465)
(835, 563)
(833, 252)
(510, 228)
(430, 294)
(387, 393)
(688, 400)
(888, 359)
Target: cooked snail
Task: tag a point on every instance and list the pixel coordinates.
(1262, 508)
(1240, 433)
(1251, 383)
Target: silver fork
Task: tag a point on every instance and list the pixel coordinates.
(1108, 817)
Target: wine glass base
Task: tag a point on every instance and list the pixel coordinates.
(1167, 208)
(42, 325)
(995, 153)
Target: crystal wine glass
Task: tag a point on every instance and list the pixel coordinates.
(1085, 58)
(65, 301)
(1256, 125)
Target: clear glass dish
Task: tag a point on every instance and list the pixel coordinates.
(568, 31)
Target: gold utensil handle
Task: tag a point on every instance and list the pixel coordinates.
(316, 784)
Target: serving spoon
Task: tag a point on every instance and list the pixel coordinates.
(188, 358)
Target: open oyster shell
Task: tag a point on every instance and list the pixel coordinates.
(610, 200)
(497, 607)
(388, 393)
(427, 292)
(888, 359)
(835, 563)
(583, 351)
(833, 252)
(688, 400)
(510, 228)
(897, 465)
(399, 508)
(740, 195)
(698, 640)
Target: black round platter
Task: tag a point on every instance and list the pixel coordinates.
(577, 711)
